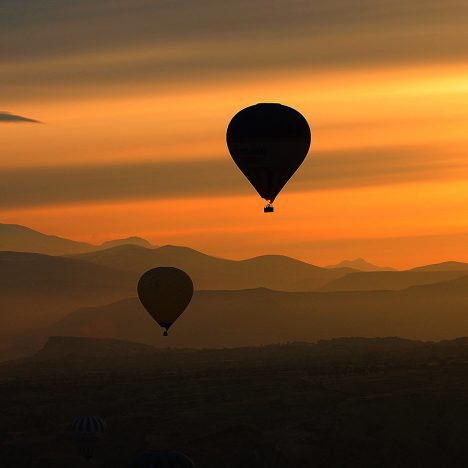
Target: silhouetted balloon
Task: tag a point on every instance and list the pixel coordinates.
(268, 142)
(165, 292)
(161, 459)
(87, 432)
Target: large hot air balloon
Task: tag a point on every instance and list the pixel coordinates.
(268, 142)
(165, 292)
(161, 459)
(88, 432)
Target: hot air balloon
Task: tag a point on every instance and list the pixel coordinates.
(161, 459)
(165, 293)
(88, 432)
(268, 142)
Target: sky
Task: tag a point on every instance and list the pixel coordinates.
(113, 118)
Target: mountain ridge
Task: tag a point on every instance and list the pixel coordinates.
(261, 316)
(59, 347)
(18, 238)
(210, 272)
(443, 266)
(390, 280)
(360, 264)
(77, 347)
(37, 288)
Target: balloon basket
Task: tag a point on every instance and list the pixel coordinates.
(268, 209)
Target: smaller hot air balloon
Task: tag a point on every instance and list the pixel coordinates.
(88, 432)
(268, 142)
(161, 459)
(165, 293)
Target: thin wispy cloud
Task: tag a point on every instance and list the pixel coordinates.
(7, 117)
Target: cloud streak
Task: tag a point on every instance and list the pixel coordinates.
(87, 44)
(321, 171)
(7, 117)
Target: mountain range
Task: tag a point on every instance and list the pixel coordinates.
(208, 272)
(391, 280)
(17, 238)
(361, 265)
(14, 237)
(262, 316)
(270, 298)
(37, 289)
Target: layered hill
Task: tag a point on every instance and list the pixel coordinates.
(22, 272)
(23, 239)
(262, 316)
(391, 280)
(208, 272)
(36, 288)
(17, 238)
(133, 240)
(136, 255)
(269, 271)
(444, 266)
(361, 265)
(60, 347)
(88, 349)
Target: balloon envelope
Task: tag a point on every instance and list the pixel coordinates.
(161, 459)
(268, 142)
(165, 292)
(88, 426)
(88, 432)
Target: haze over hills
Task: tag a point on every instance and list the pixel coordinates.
(390, 280)
(272, 271)
(23, 239)
(361, 265)
(262, 316)
(31, 273)
(14, 237)
(444, 266)
(134, 240)
(39, 291)
(36, 289)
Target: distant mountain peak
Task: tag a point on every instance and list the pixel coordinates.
(133, 240)
(360, 264)
(14, 237)
(175, 247)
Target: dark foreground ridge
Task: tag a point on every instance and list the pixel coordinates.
(347, 402)
(349, 348)
(62, 347)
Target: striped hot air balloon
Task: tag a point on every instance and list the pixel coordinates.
(88, 432)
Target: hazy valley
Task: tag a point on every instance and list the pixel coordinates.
(263, 300)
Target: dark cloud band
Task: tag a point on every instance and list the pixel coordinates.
(55, 46)
(6, 117)
(321, 171)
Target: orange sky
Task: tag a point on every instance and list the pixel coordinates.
(386, 178)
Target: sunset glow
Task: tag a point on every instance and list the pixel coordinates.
(390, 135)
